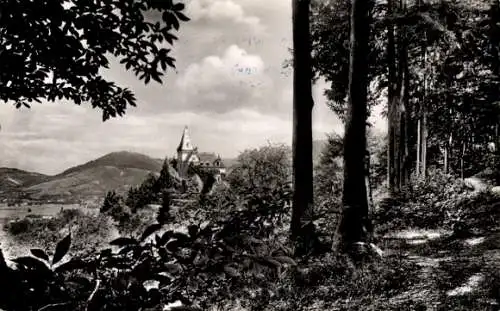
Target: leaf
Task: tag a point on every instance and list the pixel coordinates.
(164, 277)
(156, 77)
(271, 262)
(124, 242)
(193, 231)
(62, 249)
(173, 245)
(150, 230)
(106, 253)
(232, 272)
(73, 264)
(173, 268)
(179, 6)
(180, 236)
(31, 263)
(182, 17)
(175, 22)
(39, 253)
(166, 236)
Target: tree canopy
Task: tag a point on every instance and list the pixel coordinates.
(53, 50)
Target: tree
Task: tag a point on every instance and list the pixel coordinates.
(165, 181)
(146, 193)
(53, 50)
(354, 224)
(302, 117)
(262, 169)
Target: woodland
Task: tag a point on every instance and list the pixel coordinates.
(406, 221)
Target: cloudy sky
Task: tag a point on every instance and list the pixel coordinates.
(229, 88)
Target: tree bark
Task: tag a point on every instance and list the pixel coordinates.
(354, 224)
(391, 101)
(419, 143)
(302, 118)
(404, 112)
(423, 160)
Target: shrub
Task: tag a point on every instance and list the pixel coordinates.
(262, 169)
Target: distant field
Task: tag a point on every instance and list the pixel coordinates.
(9, 212)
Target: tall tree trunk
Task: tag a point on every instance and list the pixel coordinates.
(447, 153)
(419, 144)
(302, 118)
(355, 223)
(462, 164)
(403, 88)
(391, 102)
(423, 160)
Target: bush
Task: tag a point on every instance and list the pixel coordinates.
(262, 169)
(440, 201)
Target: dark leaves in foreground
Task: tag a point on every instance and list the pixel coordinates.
(62, 249)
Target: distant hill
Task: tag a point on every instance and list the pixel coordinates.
(121, 159)
(115, 171)
(14, 180)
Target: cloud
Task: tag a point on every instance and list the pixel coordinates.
(223, 83)
(221, 11)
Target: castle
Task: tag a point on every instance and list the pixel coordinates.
(188, 155)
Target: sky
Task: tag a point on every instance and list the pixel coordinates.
(229, 88)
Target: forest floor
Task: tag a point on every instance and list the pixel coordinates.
(454, 273)
(439, 269)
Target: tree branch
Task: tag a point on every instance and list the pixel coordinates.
(53, 305)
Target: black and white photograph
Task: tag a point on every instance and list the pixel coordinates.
(249, 155)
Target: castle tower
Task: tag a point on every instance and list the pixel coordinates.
(186, 153)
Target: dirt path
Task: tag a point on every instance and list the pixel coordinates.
(451, 268)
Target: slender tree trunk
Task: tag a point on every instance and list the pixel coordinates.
(445, 159)
(404, 109)
(421, 125)
(354, 224)
(423, 160)
(419, 143)
(447, 153)
(391, 101)
(302, 118)
(462, 164)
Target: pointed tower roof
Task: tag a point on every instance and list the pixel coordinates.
(185, 144)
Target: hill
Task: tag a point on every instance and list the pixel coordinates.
(121, 159)
(114, 171)
(13, 180)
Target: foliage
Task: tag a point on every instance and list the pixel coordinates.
(330, 28)
(139, 197)
(440, 201)
(225, 255)
(113, 205)
(55, 50)
(263, 169)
